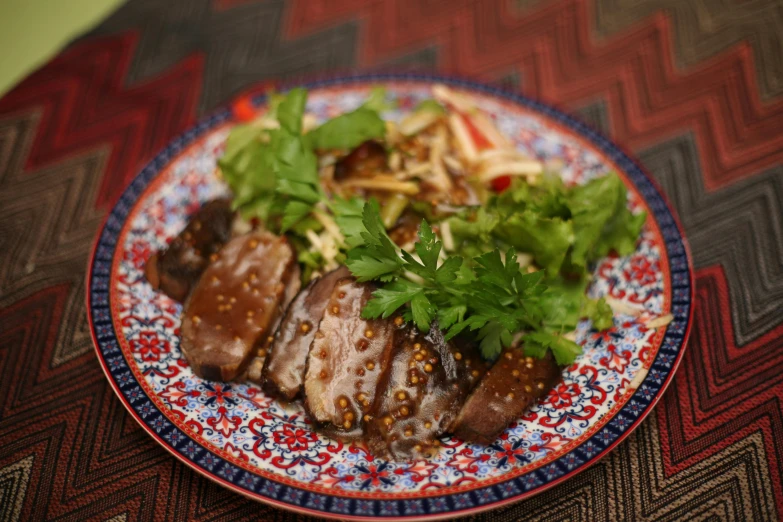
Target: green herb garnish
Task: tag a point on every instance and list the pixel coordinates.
(274, 172)
(480, 287)
(495, 298)
(348, 130)
(431, 106)
(564, 228)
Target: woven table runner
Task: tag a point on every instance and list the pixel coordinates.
(692, 88)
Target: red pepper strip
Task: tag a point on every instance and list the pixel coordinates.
(478, 137)
(500, 183)
(243, 109)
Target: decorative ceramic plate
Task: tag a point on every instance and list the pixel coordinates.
(248, 442)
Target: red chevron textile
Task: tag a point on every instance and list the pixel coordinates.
(693, 89)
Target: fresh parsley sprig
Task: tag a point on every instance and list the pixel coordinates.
(421, 283)
(495, 299)
(273, 172)
(491, 296)
(375, 255)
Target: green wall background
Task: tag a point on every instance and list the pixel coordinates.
(32, 31)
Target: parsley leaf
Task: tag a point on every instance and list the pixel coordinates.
(564, 350)
(297, 178)
(449, 315)
(294, 212)
(248, 166)
(493, 337)
(388, 299)
(501, 300)
(377, 101)
(431, 106)
(348, 216)
(348, 130)
(291, 109)
(376, 256)
(599, 311)
(271, 171)
(422, 311)
(447, 272)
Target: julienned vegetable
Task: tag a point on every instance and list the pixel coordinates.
(517, 263)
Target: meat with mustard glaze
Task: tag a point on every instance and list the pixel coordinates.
(283, 374)
(263, 344)
(235, 303)
(176, 269)
(347, 357)
(513, 384)
(421, 394)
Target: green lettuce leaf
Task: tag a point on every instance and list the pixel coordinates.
(348, 130)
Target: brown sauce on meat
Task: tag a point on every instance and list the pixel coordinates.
(176, 269)
(283, 374)
(421, 394)
(513, 384)
(263, 344)
(347, 358)
(234, 304)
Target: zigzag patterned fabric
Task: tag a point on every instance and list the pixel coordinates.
(693, 88)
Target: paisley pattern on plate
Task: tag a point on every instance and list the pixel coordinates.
(233, 432)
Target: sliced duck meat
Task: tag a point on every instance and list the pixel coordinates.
(235, 303)
(513, 384)
(177, 268)
(347, 357)
(475, 365)
(284, 370)
(421, 394)
(366, 160)
(263, 344)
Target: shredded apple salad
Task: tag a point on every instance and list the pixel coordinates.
(440, 211)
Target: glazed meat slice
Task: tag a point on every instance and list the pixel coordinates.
(292, 286)
(261, 348)
(283, 374)
(421, 393)
(509, 388)
(347, 357)
(177, 268)
(475, 366)
(235, 303)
